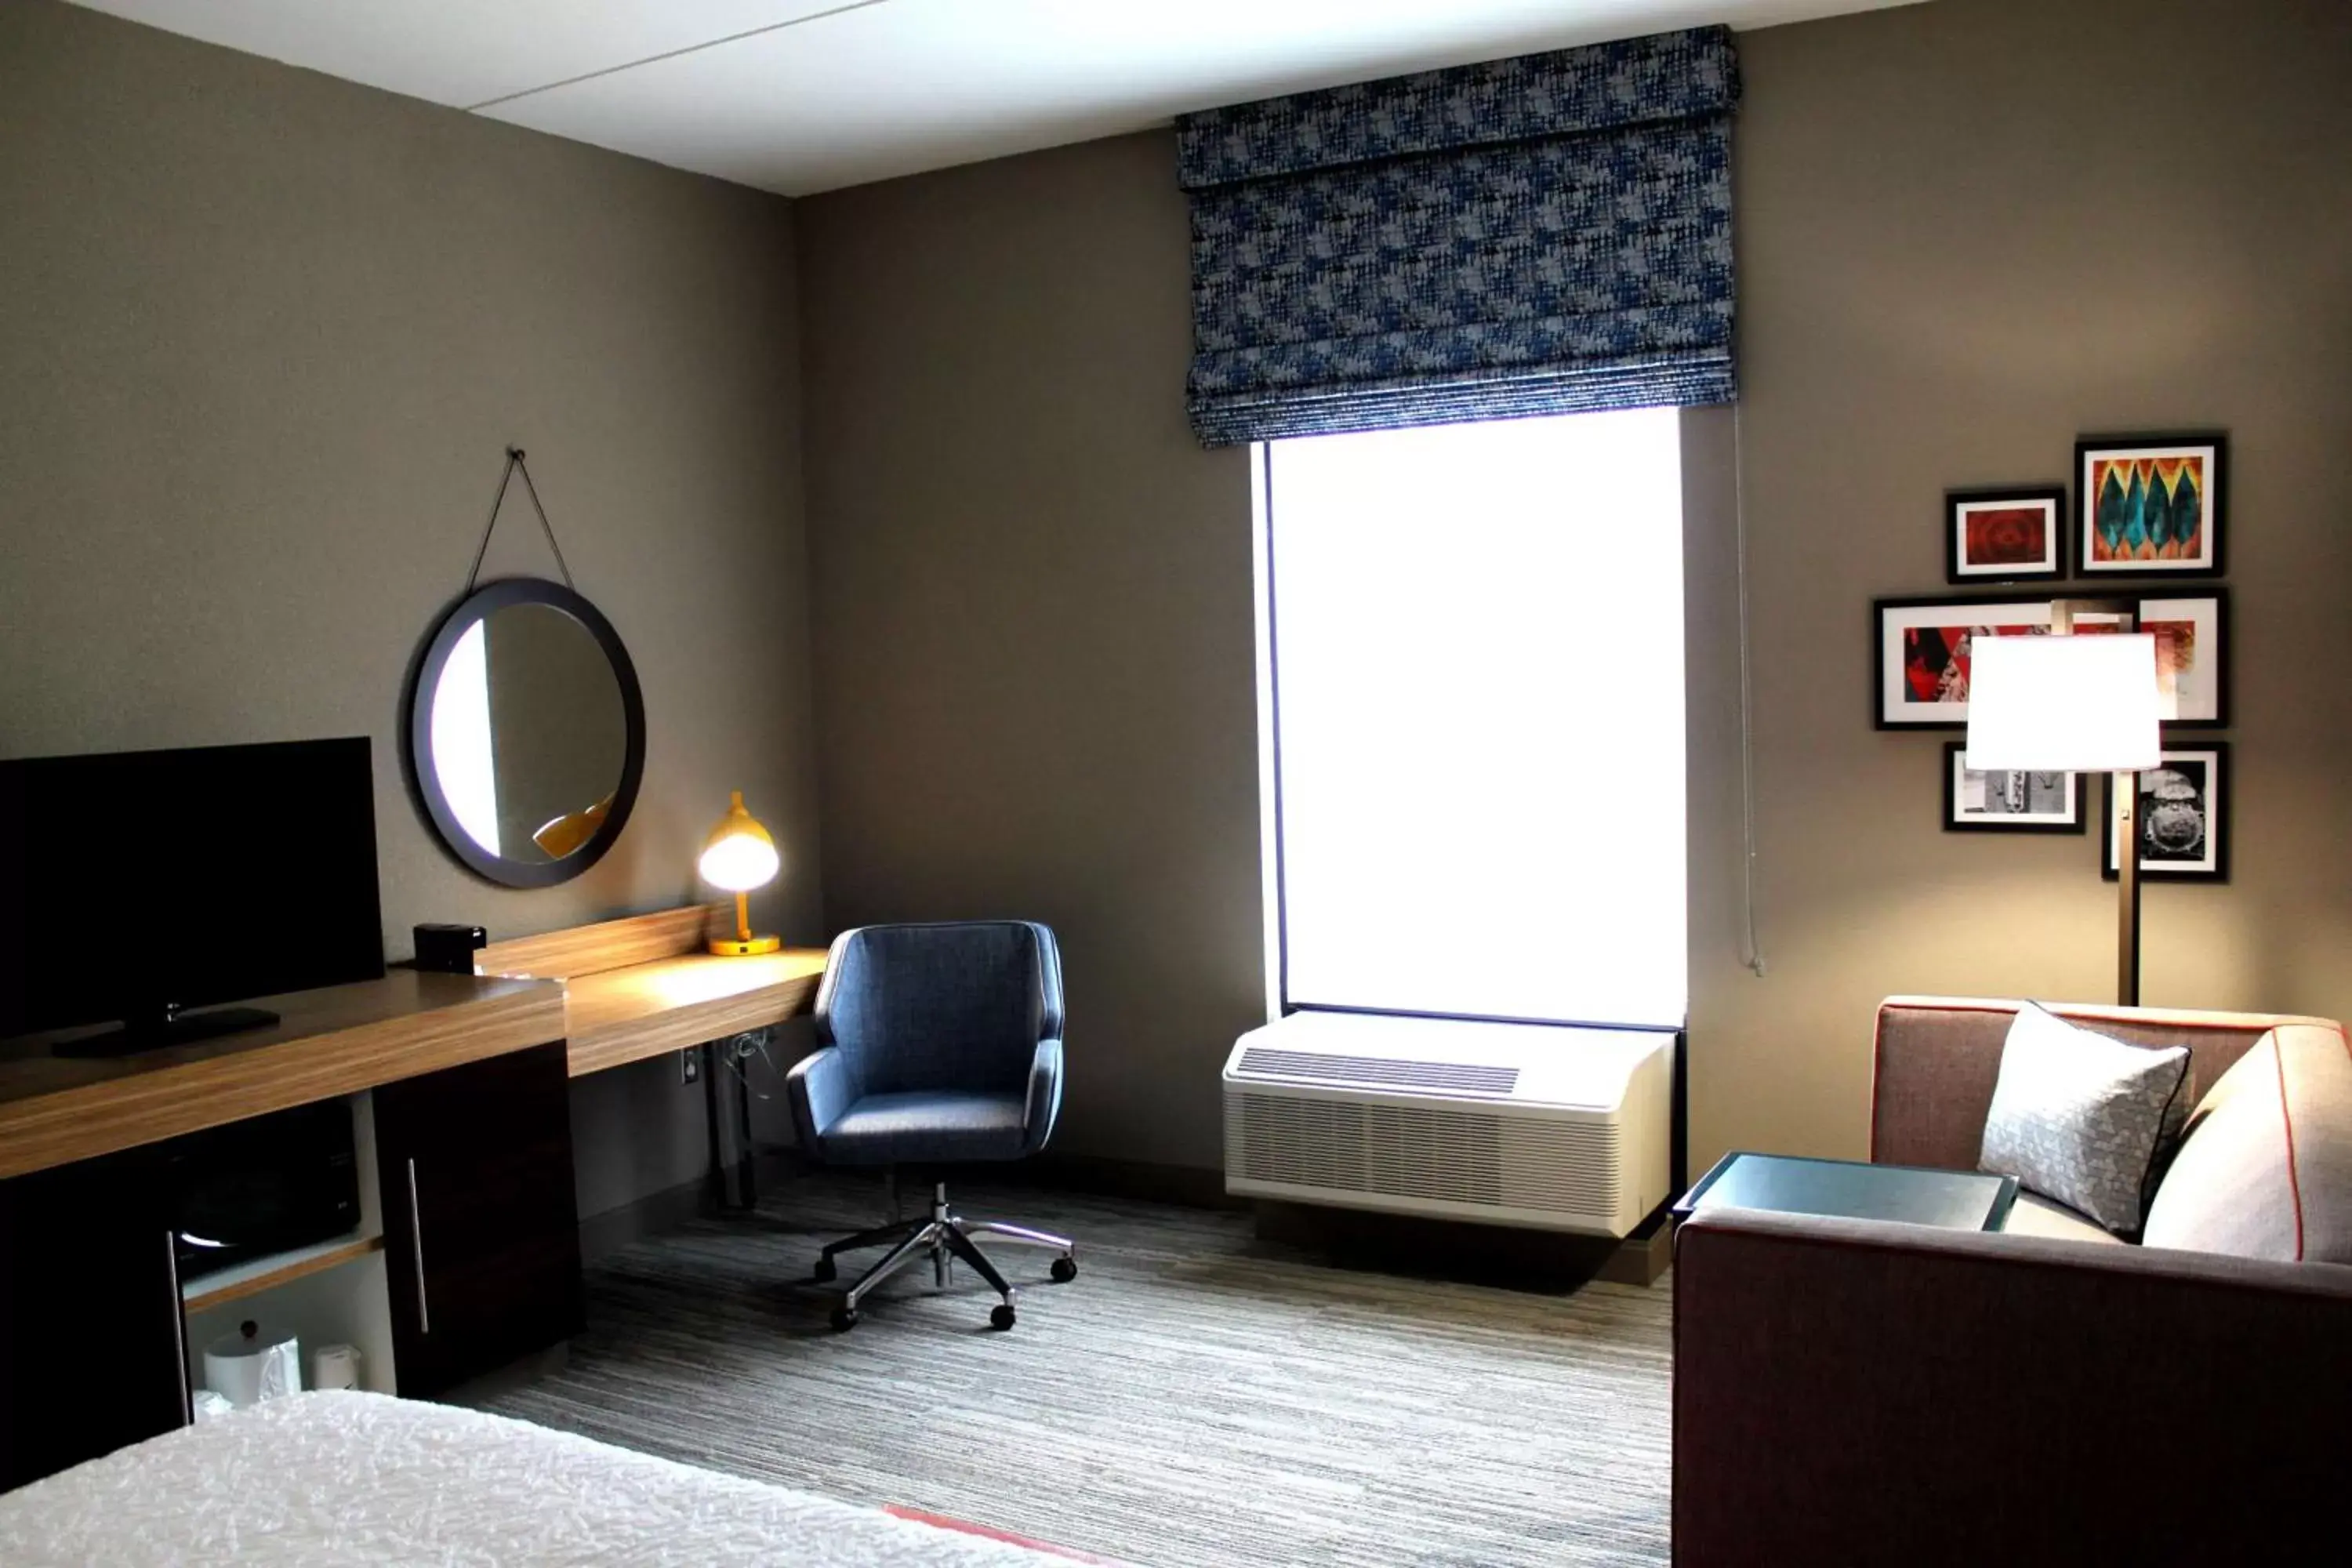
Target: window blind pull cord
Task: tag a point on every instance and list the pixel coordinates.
(515, 462)
(1754, 955)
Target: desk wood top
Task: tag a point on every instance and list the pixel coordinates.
(617, 992)
(333, 1041)
(648, 1010)
(644, 987)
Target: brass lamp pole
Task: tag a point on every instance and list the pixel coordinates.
(2076, 702)
(2116, 615)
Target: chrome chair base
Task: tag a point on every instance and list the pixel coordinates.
(944, 1235)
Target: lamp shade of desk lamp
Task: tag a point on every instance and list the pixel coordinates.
(2076, 704)
(740, 856)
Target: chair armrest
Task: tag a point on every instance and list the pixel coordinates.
(1044, 1104)
(822, 1086)
(1851, 1391)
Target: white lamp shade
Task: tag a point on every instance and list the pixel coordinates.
(2077, 704)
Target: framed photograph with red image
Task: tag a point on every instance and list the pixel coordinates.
(2192, 653)
(2013, 535)
(1921, 651)
(2192, 657)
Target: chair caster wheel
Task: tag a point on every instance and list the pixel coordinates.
(844, 1319)
(1065, 1270)
(824, 1271)
(1001, 1316)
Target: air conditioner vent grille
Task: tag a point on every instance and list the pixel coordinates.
(1433, 1152)
(1382, 1072)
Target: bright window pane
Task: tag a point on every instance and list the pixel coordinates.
(1477, 638)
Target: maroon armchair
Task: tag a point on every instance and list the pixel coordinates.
(1857, 1391)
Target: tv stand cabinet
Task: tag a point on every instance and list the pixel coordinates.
(464, 1079)
(471, 1121)
(481, 1241)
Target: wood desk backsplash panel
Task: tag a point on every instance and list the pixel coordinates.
(592, 950)
(336, 1041)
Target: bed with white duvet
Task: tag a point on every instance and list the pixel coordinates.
(348, 1479)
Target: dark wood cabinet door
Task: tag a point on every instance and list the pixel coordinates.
(481, 1229)
(89, 1316)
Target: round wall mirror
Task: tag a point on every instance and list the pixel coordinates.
(528, 733)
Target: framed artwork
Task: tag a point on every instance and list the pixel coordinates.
(2183, 817)
(2007, 802)
(2005, 535)
(1921, 649)
(2192, 657)
(2191, 633)
(2149, 505)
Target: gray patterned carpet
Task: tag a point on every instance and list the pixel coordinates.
(1196, 1396)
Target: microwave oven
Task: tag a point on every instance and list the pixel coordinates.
(267, 1185)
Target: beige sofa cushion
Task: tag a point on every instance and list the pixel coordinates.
(2036, 1216)
(2266, 1170)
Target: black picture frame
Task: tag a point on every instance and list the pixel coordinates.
(2058, 527)
(2213, 499)
(2222, 679)
(1955, 822)
(1887, 706)
(2214, 866)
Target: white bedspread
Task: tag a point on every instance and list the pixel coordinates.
(363, 1479)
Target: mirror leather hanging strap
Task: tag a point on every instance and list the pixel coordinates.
(514, 462)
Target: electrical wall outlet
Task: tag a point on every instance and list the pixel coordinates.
(689, 1065)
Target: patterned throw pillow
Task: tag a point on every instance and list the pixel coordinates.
(2082, 1119)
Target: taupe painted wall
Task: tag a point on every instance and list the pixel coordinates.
(1967, 229)
(266, 335)
(1033, 610)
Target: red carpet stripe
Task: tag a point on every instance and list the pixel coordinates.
(965, 1527)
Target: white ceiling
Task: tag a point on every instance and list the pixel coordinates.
(800, 96)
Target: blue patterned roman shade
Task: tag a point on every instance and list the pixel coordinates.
(1545, 235)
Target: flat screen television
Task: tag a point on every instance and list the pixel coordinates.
(138, 889)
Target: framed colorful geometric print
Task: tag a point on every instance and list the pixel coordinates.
(2005, 535)
(2192, 657)
(1922, 654)
(2149, 505)
(1977, 801)
(2182, 822)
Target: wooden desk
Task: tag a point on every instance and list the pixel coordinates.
(464, 1145)
(616, 992)
(644, 987)
(668, 1005)
(462, 1168)
(336, 1041)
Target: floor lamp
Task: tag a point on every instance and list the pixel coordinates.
(2078, 703)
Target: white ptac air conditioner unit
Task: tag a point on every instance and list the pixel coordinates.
(1561, 1128)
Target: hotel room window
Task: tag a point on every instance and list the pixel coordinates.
(1472, 691)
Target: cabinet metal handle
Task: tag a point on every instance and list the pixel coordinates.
(416, 1249)
(179, 1327)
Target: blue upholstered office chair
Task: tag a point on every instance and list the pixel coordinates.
(941, 1043)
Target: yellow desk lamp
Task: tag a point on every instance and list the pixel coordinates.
(740, 856)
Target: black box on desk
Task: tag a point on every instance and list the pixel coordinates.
(449, 949)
